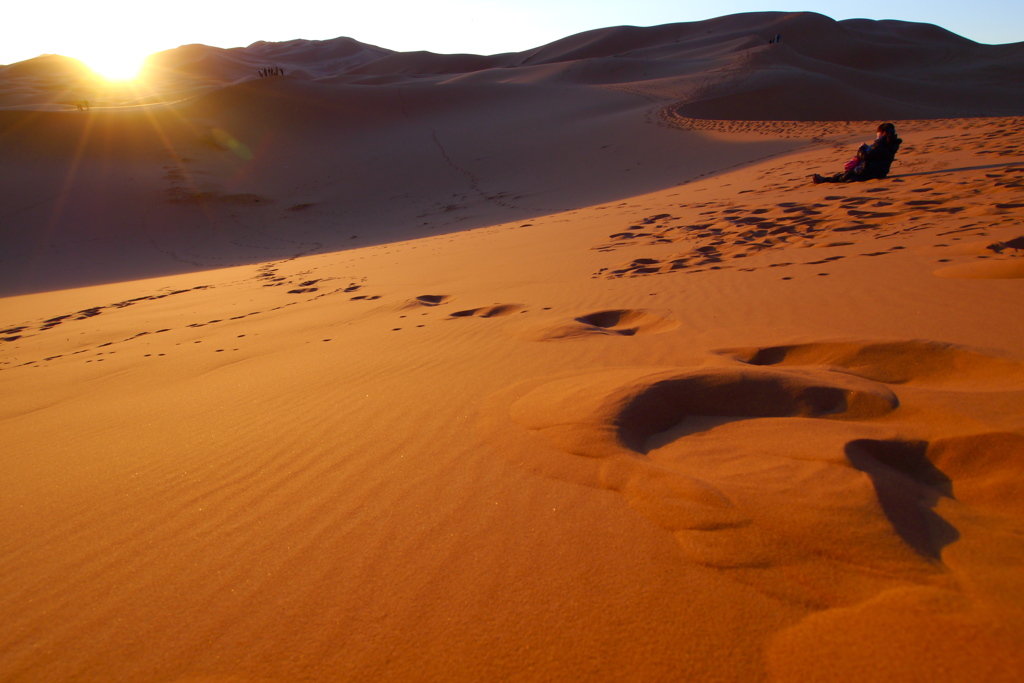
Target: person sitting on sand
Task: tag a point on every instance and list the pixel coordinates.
(872, 161)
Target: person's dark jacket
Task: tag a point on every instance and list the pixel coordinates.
(878, 157)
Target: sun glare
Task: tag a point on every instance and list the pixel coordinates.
(115, 66)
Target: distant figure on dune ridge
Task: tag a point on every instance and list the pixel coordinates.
(872, 161)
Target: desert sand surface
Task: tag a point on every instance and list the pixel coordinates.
(542, 366)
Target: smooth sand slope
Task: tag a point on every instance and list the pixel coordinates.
(521, 372)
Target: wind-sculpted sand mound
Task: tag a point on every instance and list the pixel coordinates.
(907, 362)
(979, 464)
(748, 463)
(632, 405)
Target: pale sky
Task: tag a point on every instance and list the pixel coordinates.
(113, 30)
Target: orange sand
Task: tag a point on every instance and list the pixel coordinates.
(428, 367)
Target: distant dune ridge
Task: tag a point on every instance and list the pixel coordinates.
(822, 69)
(550, 365)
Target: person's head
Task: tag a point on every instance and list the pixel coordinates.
(887, 129)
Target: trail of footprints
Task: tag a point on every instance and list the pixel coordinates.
(15, 333)
(268, 274)
(725, 232)
(497, 310)
(614, 322)
(625, 322)
(622, 322)
(619, 322)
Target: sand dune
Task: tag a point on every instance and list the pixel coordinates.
(890, 69)
(277, 165)
(444, 367)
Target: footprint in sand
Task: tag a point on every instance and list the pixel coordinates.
(432, 299)
(618, 322)
(495, 311)
(748, 458)
(422, 301)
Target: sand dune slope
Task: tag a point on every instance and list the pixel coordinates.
(520, 367)
(743, 429)
(279, 167)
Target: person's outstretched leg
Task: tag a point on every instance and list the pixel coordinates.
(841, 177)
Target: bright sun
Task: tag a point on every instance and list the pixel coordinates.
(115, 66)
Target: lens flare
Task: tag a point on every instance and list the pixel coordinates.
(228, 141)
